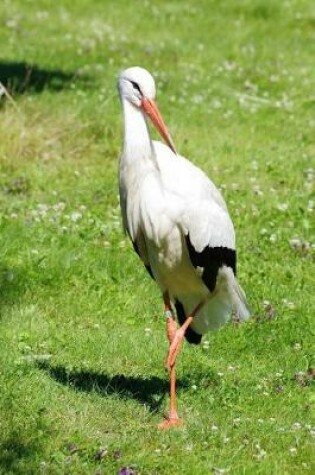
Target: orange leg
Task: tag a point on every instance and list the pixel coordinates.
(175, 345)
(175, 337)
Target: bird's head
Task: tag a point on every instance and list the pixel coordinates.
(137, 86)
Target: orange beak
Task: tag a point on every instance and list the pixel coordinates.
(151, 110)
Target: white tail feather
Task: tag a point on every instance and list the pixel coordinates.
(227, 297)
(235, 292)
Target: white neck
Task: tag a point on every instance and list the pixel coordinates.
(137, 141)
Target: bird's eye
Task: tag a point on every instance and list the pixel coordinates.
(135, 86)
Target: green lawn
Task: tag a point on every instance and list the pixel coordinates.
(82, 343)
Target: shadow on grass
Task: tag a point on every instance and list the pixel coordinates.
(22, 77)
(148, 391)
(13, 452)
(14, 281)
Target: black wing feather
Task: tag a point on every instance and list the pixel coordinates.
(190, 335)
(211, 259)
(147, 266)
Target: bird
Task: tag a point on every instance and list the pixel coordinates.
(179, 225)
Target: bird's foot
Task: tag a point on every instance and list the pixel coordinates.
(174, 348)
(172, 420)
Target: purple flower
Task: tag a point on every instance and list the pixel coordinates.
(127, 471)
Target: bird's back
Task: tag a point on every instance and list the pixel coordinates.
(182, 177)
(194, 202)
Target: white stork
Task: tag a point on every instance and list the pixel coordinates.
(179, 225)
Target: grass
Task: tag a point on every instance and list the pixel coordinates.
(82, 332)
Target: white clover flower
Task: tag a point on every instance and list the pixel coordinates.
(42, 209)
(295, 243)
(282, 206)
(205, 345)
(220, 471)
(288, 304)
(216, 104)
(75, 216)
(197, 99)
(59, 206)
(261, 453)
(257, 190)
(274, 78)
(232, 368)
(255, 210)
(189, 447)
(296, 426)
